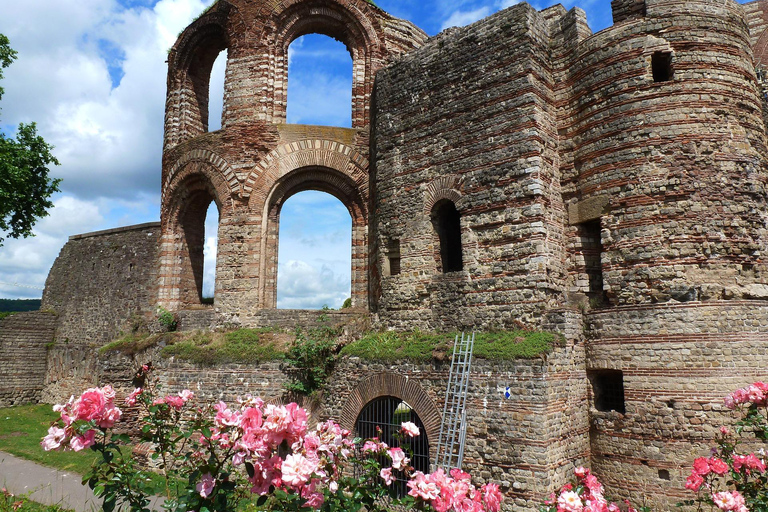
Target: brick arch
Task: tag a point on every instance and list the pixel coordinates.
(445, 187)
(348, 21)
(206, 157)
(185, 202)
(306, 153)
(195, 169)
(290, 182)
(391, 384)
(189, 70)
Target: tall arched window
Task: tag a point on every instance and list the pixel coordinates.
(319, 82)
(447, 224)
(382, 418)
(216, 92)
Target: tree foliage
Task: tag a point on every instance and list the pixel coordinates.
(25, 187)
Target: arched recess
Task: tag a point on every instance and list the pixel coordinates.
(391, 384)
(185, 202)
(189, 71)
(322, 179)
(350, 26)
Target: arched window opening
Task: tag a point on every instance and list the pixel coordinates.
(314, 252)
(447, 224)
(319, 82)
(382, 417)
(216, 92)
(192, 221)
(210, 248)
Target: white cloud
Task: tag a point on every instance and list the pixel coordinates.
(460, 18)
(303, 285)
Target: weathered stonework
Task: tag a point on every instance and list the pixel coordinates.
(24, 341)
(610, 187)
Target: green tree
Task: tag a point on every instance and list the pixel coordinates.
(25, 187)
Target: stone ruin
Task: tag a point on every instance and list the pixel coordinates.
(610, 187)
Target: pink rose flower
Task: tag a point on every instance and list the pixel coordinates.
(87, 440)
(399, 460)
(205, 485)
(492, 497)
(90, 404)
(569, 501)
(386, 475)
(54, 438)
(297, 469)
(718, 466)
(421, 486)
(130, 400)
(729, 501)
(701, 466)
(110, 416)
(409, 429)
(186, 395)
(694, 481)
(174, 401)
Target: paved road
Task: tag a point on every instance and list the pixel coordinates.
(49, 486)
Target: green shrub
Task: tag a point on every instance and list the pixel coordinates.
(136, 342)
(166, 318)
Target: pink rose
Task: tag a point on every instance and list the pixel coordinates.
(205, 485)
(386, 475)
(186, 395)
(297, 470)
(718, 466)
(492, 497)
(90, 404)
(87, 440)
(569, 501)
(110, 416)
(54, 438)
(399, 460)
(421, 486)
(174, 401)
(694, 481)
(701, 466)
(409, 429)
(130, 400)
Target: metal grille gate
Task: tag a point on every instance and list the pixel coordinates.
(387, 413)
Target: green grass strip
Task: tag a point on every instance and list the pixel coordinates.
(422, 346)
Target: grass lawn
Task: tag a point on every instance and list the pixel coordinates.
(22, 428)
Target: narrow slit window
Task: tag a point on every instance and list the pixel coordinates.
(608, 389)
(447, 223)
(661, 66)
(393, 257)
(592, 251)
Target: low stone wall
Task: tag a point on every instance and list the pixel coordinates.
(24, 341)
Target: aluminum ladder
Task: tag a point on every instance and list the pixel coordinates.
(453, 427)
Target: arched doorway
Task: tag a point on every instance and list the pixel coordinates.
(382, 417)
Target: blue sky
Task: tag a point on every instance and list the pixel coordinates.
(92, 74)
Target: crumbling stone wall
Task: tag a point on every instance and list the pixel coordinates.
(102, 281)
(24, 341)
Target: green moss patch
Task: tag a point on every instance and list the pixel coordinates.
(423, 346)
(133, 343)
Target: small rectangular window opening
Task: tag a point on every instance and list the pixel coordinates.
(661, 66)
(608, 389)
(393, 257)
(592, 251)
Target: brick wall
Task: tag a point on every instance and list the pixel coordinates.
(24, 342)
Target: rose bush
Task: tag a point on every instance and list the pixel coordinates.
(215, 456)
(731, 478)
(585, 495)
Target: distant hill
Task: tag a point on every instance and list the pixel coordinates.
(14, 305)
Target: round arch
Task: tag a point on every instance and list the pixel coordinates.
(322, 179)
(351, 25)
(185, 202)
(391, 384)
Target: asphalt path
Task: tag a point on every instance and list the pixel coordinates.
(50, 486)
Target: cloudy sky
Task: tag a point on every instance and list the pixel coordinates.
(91, 74)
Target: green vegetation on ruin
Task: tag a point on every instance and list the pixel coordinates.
(239, 346)
(422, 346)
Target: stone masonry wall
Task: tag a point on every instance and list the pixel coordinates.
(678, 362)
(103, 281)
(444, 131)
(24, 341)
